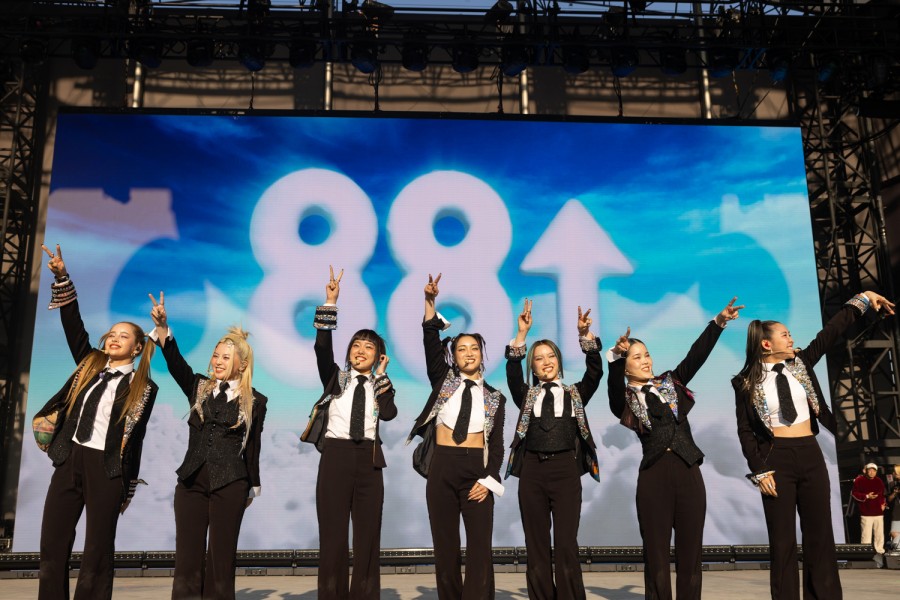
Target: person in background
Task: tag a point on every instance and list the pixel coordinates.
(893, 500)
(868, 491)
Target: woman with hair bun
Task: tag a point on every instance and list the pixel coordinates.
(671, 494)
(344, 427)
(553, 447)
(460, 455)
(779, 405)
(93, 430)
(219, 476)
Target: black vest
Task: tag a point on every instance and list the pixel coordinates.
(218, 443)
(562, 435)
(62, 443)
(667, 433)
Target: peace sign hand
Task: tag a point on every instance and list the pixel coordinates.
(622, 344)
(584, 324)
(333, 288)
(525, 321)
(158, 312)
(729, 313)
(431, 288)
(56, 264)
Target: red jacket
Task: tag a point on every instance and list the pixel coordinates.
(862, 486)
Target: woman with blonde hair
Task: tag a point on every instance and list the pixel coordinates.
(93, 432)
(220, 474)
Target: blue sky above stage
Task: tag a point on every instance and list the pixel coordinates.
(237, 218)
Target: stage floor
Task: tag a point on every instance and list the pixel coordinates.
(871, 584)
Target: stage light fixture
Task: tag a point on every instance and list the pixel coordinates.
(147, 51)
(722, 61)
(672, 61)
(376, 12)
(624, 61)
(32, 51)
(414, 55)
(499, 13)
(364, 55)
(257, 10)
(465, 57)
(576, 59)
(252, 53)
(302, 53)
(514, 58)
(826, 67)
(779, 64)
(200, 53)
(86, 52)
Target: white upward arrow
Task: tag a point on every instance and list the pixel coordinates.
(577, 252)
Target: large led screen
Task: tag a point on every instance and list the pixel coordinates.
(237, 219)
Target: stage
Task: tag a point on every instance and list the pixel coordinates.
(872, 584)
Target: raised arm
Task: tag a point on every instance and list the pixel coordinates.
(515, 380)
(66, 300)
(590, 345)
(435, 363)
(615, 381)
(703, 346)
(178, 367)
(325, 323)
(852, 310)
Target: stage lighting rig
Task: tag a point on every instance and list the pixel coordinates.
(302, 52)
(623, 61)
(86, 52)
(376, 12)
(364, 54)
(576, 58)
(414, 54)
(673, 61)
(200, 52)
(465, 56)
(499, 13)
(779, 64)
(514, 57)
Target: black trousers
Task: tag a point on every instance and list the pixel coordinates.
(550, 489)
(801, 481)
(671, 496)
(204, 568)
(451, 476)
(80, 483)
(349, 487)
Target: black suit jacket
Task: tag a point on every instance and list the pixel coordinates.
(124, 440)
(755, 436)
(438, 370)
(224, 467)
(329, 373)
(682, 375)
(518, 388)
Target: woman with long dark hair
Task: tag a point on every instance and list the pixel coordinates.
(553, 447)
(780, 405)
(344, 426)
(219, 476)
(93, 430)
(461, 452)
(670, 490)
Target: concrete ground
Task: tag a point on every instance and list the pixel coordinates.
(870, 584)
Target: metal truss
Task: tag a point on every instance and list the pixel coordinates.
(851, 256)
(21, 153)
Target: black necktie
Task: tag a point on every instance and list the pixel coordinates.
(358, 411)
(222, 396)
(785, 398)
(653, 401)
(548, 408)
(89, 412)
(461, 429)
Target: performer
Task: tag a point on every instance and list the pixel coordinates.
(460, 455)
(93, 432)
(779, 407)
(551, 450)
(670, 490)
(219, 477)
(344, 427)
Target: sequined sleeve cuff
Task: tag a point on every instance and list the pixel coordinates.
(326, 317)
(382, 385)
(62, 294)
(588, 345)
(132, 487)
(756, 477)
(860, 302)
(515, 352)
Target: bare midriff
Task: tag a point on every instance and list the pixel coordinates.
(445, 438)
(802, 429)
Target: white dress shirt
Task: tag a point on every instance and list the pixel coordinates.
(798, 394)
(104, 409)
(449, 412)
(341, 408)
